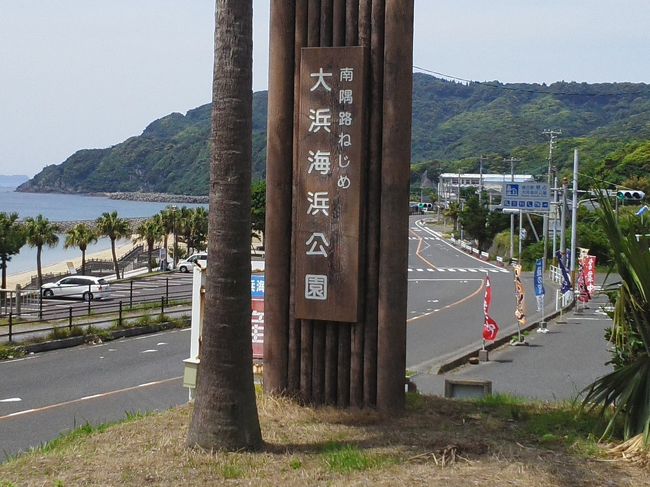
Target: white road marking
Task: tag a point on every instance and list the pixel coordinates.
(87, 398)
(18, 413)
(149, 351)
(442, 279)
(11, 399)
(161, 343)
(148, 336)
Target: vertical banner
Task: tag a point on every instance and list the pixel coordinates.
(520, 295)
(490, 327)
(566, 280)
(590, 273)
(539, 284)
(586, 278)
(257, 315)
(329, 183)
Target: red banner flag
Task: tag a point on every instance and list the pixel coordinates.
(490, 327)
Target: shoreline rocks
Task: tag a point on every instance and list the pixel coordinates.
(159, 197)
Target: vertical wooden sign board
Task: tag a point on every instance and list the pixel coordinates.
(329, 183)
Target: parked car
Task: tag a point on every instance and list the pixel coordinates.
(200, 258)
(85, 287)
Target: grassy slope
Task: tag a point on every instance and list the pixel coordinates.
(436, 442)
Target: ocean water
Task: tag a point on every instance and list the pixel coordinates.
(65, 207)
(70, 207)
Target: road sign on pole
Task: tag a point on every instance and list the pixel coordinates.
(526, 197)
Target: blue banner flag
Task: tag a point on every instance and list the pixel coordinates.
(566, 281)
(539, 277)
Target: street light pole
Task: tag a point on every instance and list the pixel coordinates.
(574, 215)
(175, 236)
(551, 144)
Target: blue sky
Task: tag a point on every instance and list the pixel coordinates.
(88, 73)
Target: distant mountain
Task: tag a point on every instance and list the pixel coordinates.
(12, 181)
(453, 123)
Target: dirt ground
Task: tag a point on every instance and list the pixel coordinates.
(436, 442)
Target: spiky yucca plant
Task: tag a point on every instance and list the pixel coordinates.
(626, 390)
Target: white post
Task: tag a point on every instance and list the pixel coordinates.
(574, 215)
(520, 229)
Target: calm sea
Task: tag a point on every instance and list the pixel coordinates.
(65, 207)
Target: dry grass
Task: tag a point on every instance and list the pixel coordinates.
(437, 442)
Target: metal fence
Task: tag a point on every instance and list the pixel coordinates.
(30, 319)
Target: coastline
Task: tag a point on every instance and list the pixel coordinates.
(130, 196)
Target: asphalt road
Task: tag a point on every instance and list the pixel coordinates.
(446, 299)
(47, 394)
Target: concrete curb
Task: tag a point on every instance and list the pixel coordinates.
(81, 340)
(463, 359)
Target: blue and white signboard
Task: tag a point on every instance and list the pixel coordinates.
(526, 197)
(257, 286)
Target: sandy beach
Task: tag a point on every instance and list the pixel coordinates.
(24, 278)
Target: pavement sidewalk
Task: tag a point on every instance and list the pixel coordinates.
(554, 366)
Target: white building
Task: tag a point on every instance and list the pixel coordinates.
(449, 183)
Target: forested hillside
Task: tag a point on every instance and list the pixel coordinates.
(453, 124)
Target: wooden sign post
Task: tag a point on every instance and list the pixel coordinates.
(338, 165)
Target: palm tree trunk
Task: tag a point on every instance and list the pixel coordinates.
(83, 261)
(149, 255)
(3, 262)
(38, 265)
(225, 413)
(117, 267)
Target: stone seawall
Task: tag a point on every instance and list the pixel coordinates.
(67, 225)
(159, 198)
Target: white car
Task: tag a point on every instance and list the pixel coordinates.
(85, 287)
(187, 265)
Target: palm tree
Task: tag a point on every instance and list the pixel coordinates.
(194, 228)
(627, 388)
(81, 235)
(150, 231)
(225, 413)
(12, 238)
(112, 226)
(453, 212)
(40, 232)
(169, 219)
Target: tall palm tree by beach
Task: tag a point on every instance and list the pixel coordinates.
(112, 226)
(81, 235)
(40, 232)
(150, 231)
(194, 229)
(12, 238)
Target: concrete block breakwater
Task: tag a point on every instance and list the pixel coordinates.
(67, 225)
(160, 198)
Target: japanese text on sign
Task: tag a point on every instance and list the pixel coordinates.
(330, 168)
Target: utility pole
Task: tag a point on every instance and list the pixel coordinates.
(563, 220)
(480, 178)
(512, 161)
(574, 215)
(552, 134)
(555, 209)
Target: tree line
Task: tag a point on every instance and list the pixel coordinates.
(189, 224)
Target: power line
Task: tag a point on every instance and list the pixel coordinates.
(527, 90)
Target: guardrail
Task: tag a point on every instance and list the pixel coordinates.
(119, 318)
(33, 314)
(15, 301)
